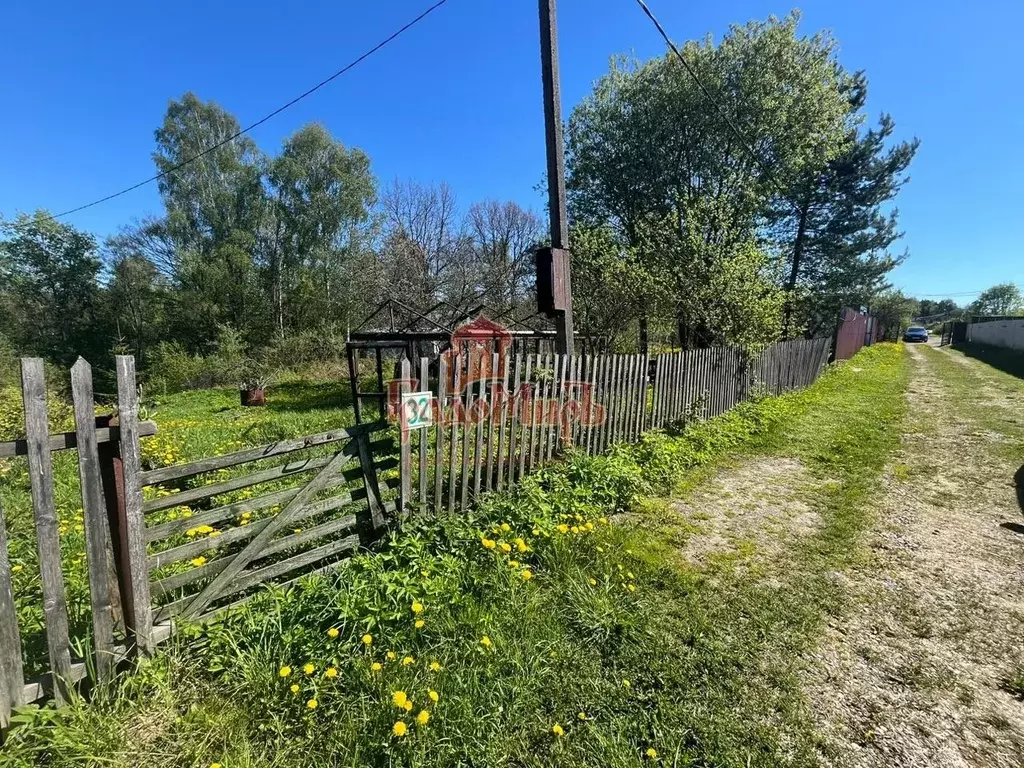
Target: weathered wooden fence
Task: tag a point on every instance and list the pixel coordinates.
(495, 420)
(176, 541)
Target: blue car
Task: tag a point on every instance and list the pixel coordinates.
(915, 333)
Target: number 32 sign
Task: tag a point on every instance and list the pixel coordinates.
(417, 412)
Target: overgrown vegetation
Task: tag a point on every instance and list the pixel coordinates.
(546, 628)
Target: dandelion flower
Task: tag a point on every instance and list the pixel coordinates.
(16, 568)
(191, 532)
(575, 529)
(417, 607)
(485, 641)
(582, 715)
(294, 688)
(367, 639)
(487, 543)
(311, 704)
(375, 667)
(297, 530)
(557, 730)
(391, 655)
(198, 561)
(603, 520)
(536, 531)
(309, 669)
(629, 575)
(506, 547)
(435, 666)
(625, 683)
(214, 533)
(399, 729)
(408, 706)
(332, 632)
(408, 660)
(521, 546)
(513, 563)
(284, 671)
(631, 587)
(423, 717)
(331, 672)
(527, 574)
(433, 695)
(652, 753)
(593, 582)
(214, 765)
(399, 698)
(562, 528)
(589, 526)
(419, 623)
(506, 527)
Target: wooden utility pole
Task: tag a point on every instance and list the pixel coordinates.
(554, 286)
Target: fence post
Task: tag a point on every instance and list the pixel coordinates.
(40, 466)
(12, 676)
(405, 440)
(97, 535)
(132, 526)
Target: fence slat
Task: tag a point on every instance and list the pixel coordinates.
(424, 435)
(454, 442)
(592, 403)
(98, 547)
(560, 390)
(480, 421)
(55, 610)
(439, 409)
(525, 415)
(138, 614)
(493, 419)
(12, 676)
(405, 439)
(536, 405)
(467, 425)
(514, 417)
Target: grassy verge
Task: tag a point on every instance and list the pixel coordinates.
(549, 635)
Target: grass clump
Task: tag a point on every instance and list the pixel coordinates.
(534, 631)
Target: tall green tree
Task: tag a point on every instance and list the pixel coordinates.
(1001, 299)
(48, 272)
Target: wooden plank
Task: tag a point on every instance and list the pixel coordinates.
(601, 443)
(503, 419)
(515, 418)
(659, 369)
(454, 442)
(536, 391)
(67, 440)
(547, 425)
(591, 403)
(424, 434)
(559, 396)
(575, 392)
(628, 396)
(208, 570)
(98, 547)
(481, 423)
(439, 429)
(252, 551)
(525, 415)
(405, 441)
(181, 471)
(40, 466)
(492, 422)
(371, 486)
(467, 426)
(643, 418)
(12, 676)
(138, 615)
(636, 409)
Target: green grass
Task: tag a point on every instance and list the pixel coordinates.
(698, 666)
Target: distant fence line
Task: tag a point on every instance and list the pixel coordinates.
(294, 507)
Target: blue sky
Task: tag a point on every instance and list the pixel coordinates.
(457, 99)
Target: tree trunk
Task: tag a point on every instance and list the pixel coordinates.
(794, 272)
(644, 333)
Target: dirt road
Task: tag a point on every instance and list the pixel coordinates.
(928, 668)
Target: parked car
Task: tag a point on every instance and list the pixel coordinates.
(915, 333)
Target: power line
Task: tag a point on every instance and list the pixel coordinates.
(258, 123)
(744, 142)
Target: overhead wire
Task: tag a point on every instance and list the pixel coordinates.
(358, 60)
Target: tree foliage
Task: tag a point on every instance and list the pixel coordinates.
(1002, 299)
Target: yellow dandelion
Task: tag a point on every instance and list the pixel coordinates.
(294, 688)
(629, 575)
(312, 704)
(506, 527)
(423, 717)
(191, 532)
(214, 765)
(593, 582)
(513, 563)
(367, 639)
(631, 587)
(487, 543)
(485, 641)
(562, 528)
(625, 683)
(575, 529)
(399, 729)
(652, 753)
(17, 568)
(506, 547)
(297, 530)
(589, 526)
(391, 655)
(408, 660)
(331, 672)
(527, 574)
(417, 607)
(582, 715)
(309, 669)
(332, 632)
(376, 667)
(419, 623)
(198, 561)
(521, 546)
(399, 698)
(557, 730)
(435, 666)
(284, 671)
(408, 706)
(214, 533)
(603, 520)
(433, 695)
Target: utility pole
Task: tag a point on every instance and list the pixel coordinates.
(554, 284)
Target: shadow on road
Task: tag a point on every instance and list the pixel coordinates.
(1007, 360)
(1018, 481)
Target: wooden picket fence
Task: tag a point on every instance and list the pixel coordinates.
(146, 554)
(496, 420)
